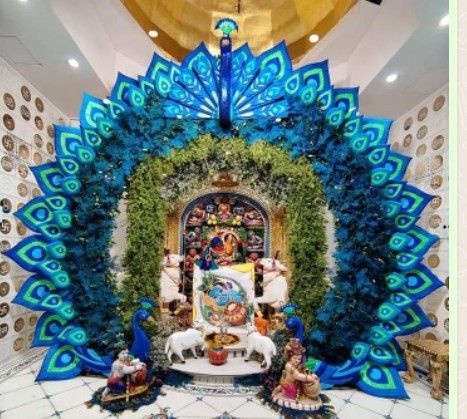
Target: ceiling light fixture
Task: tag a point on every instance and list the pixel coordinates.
(73, 63)
(314, 38)
(392, 77)
(153, 33)
(444, 21)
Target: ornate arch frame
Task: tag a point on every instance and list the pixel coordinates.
(256, 98)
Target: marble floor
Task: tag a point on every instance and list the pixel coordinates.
(22, 398)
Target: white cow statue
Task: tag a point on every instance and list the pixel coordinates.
(275, 288)
(256, 342)
(170, 280)
(180, 341)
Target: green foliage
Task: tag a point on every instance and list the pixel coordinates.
(159, 183)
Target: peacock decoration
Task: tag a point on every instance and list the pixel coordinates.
(229, 89)
(141, 344)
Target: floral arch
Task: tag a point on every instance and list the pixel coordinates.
(380, 275)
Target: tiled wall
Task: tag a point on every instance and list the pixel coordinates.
(423, 135)
(26, 135)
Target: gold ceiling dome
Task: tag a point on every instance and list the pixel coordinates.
(182, 24)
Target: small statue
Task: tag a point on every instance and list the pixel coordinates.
(197, 216)
(298, 388)
(126, 372)
(193, 238)
(252, 218)
(255, 242)
(190, 260)
(224, 212)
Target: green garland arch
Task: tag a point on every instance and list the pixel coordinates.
(157, 181)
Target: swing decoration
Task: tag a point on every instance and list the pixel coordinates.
(380, 247)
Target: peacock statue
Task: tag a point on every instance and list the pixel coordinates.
(292, 322)
(141, 345)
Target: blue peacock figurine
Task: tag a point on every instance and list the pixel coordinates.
(141, 345)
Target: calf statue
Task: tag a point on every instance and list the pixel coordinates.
(263, 345)
(275, 288)
(180, 341)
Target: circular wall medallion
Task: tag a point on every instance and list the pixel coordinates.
(37, 158)
(431, 336)
(9, 122)
(436, 162)
(407, 140)
(434, 221)
(431, 316)
(26, 93)
(39, 123)
(3, 330)
(421, 150)
(19, 344)
(9, 101)
(23, 151)
(4, 289)
(36, 192)
(437, 142)
(4, 268)
(439, 103)
(408, 123)
(50, 148)
(446, 303)
(6, 163)
(23, 170)
(21, 228)
(22, 189)
(4, 246)
(5, 226)
(446, 324)
(420, 169)
(436, 182)
(422, 131)
(38, 141)
(422, 113)
(19, 324)
(25, 112)
(436, 244)
(433, 261)
(39, 104)
(50, 131)
(8, 143)
(436, 202)
(5, 205)
(32, 320)
(4, 309)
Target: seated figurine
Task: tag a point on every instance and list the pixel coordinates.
(122, 368)
(298, 388)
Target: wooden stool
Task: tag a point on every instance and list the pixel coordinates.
(438, 356)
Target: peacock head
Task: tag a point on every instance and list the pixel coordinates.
(143, 313)
(226, 25)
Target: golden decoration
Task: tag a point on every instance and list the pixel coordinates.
(433, 261)
(8, 143)
(26, 93)
(23, 151)
(50, 148)
(39, 104)
(5, 226)
(22, 189)
(9, 101)
(422, 132)
(396, 146)
(408, 123)
(38, 141)
(4, 246)
(3, 330)
(422, 113)
(183, 24)
(37, 158)
(25, 113)
(21, 228)
(439, 103)
(6, 163)
(407, 140)
(23, 170)
(436, 202)
(4, 309)
(225, 180)
(19, 324)
(6, 205)
(436, 162)
(437, 142)
(50, 131)
(436, 181)
(39, 123)
(4, 267)
(18, 344)
(4, 289)
(9, 122)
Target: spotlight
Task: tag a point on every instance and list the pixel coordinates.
(444, 21)
(73, 63)
(392, 78)
(314, 38)
(153, 34)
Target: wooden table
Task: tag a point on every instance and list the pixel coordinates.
(438, 356)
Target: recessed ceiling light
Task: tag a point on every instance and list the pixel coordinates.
(153, 34)
(23, 1)
(73, 63)
(392, 78)
(444, 21)
(314, 38)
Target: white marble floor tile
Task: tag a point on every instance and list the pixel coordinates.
(337, 403)
(254, 411)
(342, 394)
(21, 397)
(375, 404)
(197, 409)
(175, 399)
(96, 385)
(35, 410)
(352, 411)
(401, 411)
(71, 398)
(445, 410)
(225, 403)
(54, 387)
(423, 403)
(17, 382)
(82, 412)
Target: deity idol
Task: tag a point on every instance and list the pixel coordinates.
(223, 212)
(298, 388)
